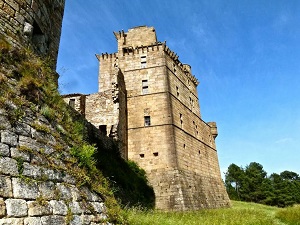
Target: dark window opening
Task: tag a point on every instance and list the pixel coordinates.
(147, 121)
(177, 91)
(39, 39)
(72, 103)
(181, 119)
(155, 154)
(142, 155)
(102, 129)
(145, 88)
(143, 62)
(127, 50)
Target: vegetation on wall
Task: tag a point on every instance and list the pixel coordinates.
(252, 184)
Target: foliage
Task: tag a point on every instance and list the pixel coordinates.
(85, 155)
(253, 185)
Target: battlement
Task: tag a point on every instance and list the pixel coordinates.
(35, 23)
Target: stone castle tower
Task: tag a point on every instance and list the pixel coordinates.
(148, 101)
(35, 23)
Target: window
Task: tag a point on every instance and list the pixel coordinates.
(143, 61)
(147, 121)
(72, 103)
(174, 68)
(177, 91)
(145, 89)
(102, 129)
(155, 154)
(181, 119)
(142, 155)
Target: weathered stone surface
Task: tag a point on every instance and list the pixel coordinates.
(53, 175)
(32, 221)
(31, 170)
(36, 208)
(59, 207)
(25, 190)
(16, 207)
(2, 208)
(64, 191)
(47, 190)
(4, 122)
(4, 150)
(76, 220)
(75, 193)
(5, 187)
(90, 195)
(22, 129)
(8, 166)
(98, 207)
(11, 221)
(16, 153)
(53, 220)
(75, 207)
(9, 138)
(29, 143)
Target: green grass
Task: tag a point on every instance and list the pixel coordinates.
(241, 213)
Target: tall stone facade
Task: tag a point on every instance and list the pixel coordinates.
(158, 120)
(35, 23)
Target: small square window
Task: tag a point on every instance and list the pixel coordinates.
(155, 154)
(147, 121)
(72, 103)
(142, 155)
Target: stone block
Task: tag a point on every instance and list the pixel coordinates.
(8, 166)
(32, 221)
(53, 220)
(75, 207)
(59, 207)
(2, 208)
(53, 175)
(12, 221)
(76, 220)
(36, 208)
(4, 150)
(22, 129)
(16, 207)
(9, 138)
(31, 170)
(29, 143)
(47, 190)
(65, 191)
(4, 122)
(5, 187)
(75, 193)
(16, 153)
(25, 190)
(98, 207)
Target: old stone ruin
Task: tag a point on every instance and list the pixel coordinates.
(148, 101)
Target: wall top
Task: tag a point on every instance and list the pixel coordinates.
(135, 37)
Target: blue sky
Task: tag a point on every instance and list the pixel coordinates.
(246, 55)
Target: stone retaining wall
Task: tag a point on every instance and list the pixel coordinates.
(36, 188)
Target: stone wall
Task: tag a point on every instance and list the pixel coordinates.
(36, 186)
(33, 22)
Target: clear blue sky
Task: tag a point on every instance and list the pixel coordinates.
(246, 55)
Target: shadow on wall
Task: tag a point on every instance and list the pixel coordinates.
(128, 181)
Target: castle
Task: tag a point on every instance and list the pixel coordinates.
(148, 101)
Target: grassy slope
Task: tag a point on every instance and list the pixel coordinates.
(241, 213)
